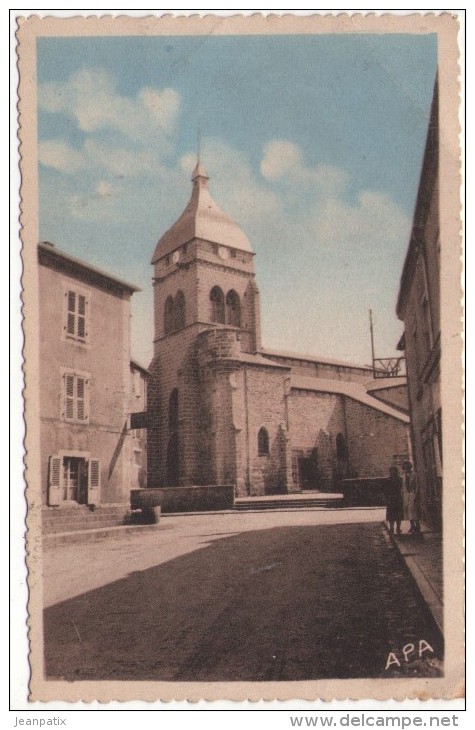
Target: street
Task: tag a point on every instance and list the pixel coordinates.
(308, 594)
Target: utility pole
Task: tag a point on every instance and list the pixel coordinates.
(372, 339)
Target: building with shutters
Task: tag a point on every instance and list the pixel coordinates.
(418, 306)
(88, 388)
(222, 409)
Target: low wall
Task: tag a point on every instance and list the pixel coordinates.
(188, 499)
(364, 492)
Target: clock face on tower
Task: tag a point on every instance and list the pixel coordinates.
(223, 252)
(176, 257)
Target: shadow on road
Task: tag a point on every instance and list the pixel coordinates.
(287, 603)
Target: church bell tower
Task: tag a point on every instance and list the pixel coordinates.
(204, 272)
(203, 280)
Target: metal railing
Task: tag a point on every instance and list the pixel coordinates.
(389, 367)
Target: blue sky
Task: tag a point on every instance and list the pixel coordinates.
(313, 144)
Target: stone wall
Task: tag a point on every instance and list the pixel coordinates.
(174, 367)
(373, 440)
(237, 400)
(315, 420)
(265, 400)
(193, 498)
(376, 441)
(396, 396)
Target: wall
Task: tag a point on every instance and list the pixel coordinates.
(396, 396)
(138, 436)
(187, 499)
(264, 398)
(174, 278)
(106, 360)
(315, 420)
(424, 397)
(313, 368)
(197, 272)
(235, 273)
(376, 441)
(174, 366)
(419, 307)
(222, 418)
(372, 438)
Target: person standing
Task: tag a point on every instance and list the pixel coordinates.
(411, 498)
(394, 510)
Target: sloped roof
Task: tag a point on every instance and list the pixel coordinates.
(257, 359)
(288, 355)
(356, 391)
(48, 251)
(383, 383)
(136, 365)
(202, 218)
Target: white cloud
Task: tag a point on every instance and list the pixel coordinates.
(330, 215)
(163, 105)
(91, 98)
(120, 161)
(60, 155)
(372, 225)
(116, 160)
(283, 162)
(280, 157)
(139, 129)
(104, 189)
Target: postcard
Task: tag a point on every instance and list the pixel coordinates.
(242, 254)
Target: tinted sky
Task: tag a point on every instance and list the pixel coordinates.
(313, 144)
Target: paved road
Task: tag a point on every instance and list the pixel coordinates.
(267, 596)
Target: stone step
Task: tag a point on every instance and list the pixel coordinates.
(70, 519)
(255, 504)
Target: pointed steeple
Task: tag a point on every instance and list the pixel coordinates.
(200, 174)
(202, 218)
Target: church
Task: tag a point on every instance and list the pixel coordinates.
(223, 409)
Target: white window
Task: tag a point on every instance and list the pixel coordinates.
(75, 400)
(76, 315)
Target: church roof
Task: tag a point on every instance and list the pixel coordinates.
(384, 383)
(202, 218)
(356, 391)
(288, 355)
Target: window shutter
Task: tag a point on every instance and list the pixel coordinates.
(94, 482)
(76, 315)
(54, 491)
(81, 316)
(80, 399)
(86, 318)
(86, 400)
(71, 319)
(70, 324)
(69, 397)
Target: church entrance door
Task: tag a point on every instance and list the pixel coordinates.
(308, 473)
